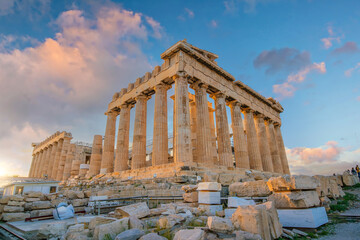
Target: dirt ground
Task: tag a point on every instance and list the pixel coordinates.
(351, 229)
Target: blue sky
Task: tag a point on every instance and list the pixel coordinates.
(61, 62)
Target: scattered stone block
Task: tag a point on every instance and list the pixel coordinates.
(70, 194)
(139, 210)
(273, 219)
(13, 209)
(134, 222)
(210, 209)
(12, 217)
(52, 230)
(191, 197)
(242, 235)
(303, 218)
(16, 203)
(301, 233)
(295, 182)
(28, 199)
(250, 189)
(98, 198)
(38, 205)
(189, 188)
(209, 197)
(349, 179)
(18, 198)
(209, 186)
(169, 221)
(80, 202)
(113, 229)
(33, 194)
(234, 202)
(99, 221)
(132, 234)
(43, 212)
(218, 224)
(229, 212)
(4, 200)
(301, 199)
(152, 236)
(187, 234)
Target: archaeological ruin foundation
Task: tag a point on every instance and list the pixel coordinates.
(201, 132)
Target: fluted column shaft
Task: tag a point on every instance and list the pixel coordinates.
(160, 134)
(270, 133)
(57, 159)
(193, 128)
(63, 155)
(215, 159)
(253, 145)
(203, 129)
(182, 134)
(44, 162)
(47, 161)
(222, 129)
(122, 147)
(95, 159)
(32, 165)
(281, 146)
(52, 159)
(240, 144)
(139, 140)
(38, 164)
(265, 153)
(68, 162)
(107, 161)
(75, 165)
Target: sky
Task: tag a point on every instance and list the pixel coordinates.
(62, 61)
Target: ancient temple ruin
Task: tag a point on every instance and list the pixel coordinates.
(258, 142)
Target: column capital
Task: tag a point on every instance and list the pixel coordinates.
(112, 113)
(247, 109)
(276, 124)
(234, 103)
(180, 75)
(162, 85)
(141, 96)
(218, 95)
(259, 115)
(268, 120)
(199, 85)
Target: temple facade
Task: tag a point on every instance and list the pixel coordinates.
(255, 120)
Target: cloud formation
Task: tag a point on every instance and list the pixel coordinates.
(327, 159)
(282, 60)
(249, 6)
(347, 48)
(328, 41)
(32, 8)
(350, 71)
(67, 80)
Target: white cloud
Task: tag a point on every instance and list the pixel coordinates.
(328, 41)
(350, 71)
(67, 81)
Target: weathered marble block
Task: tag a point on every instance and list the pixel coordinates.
(303, 218)
(211, 209)
(209, 197)
(209, 186)
(234, 202)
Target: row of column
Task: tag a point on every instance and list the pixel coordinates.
(56, 161)
(261, 148)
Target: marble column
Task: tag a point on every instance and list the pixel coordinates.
(270, 133)
(32, 166)
(222, 129)
(41, 164)
(139, 140)
(253, 145)
(68, 162)
(203, 129)
(282, 151)
(107, 161)
(75, 165)
(193, 128)
(182, 134)
(96, 151)
(122, 146)
(57, 159)
(160, 134)
(38, 164)
(63, 155)
(213, 137)
(47, 161)
(52, 158)
(240, 143)
(44, 162)
(265, 153)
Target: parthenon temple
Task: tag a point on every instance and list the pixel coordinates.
(199, 138)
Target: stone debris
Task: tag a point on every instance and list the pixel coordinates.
(209, 186)
(242, 235)
(234, 202)
(289, 232)
(301, 199)
(152, 236)
(188, 234)
(349, 179)
(131, 234)
(295, 182)
(218, 224)
(112, 229)
(301, 233)
(191, 197)
(139, 210)
(249, 189)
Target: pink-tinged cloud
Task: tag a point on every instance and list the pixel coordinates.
(325, 160)
(350, 71)
(190, 13)
(213, 24)
(287, 89)
(347, 48)
(328, 42)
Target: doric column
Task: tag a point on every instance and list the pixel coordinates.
(240, 144)
(57, 159)
(43, 162)
(182, 134)
(32, 165)
(203, 129)
(38, 164)
(160, 134)
(281, 146)
(96, 151)
(122, 146)
(52, 159)
(222, 129)
(265, 153)
(107, 161)
(47, 161)
(192, 106)
(253, 145)
(139, 140)
(75, 165)
(213, 137)
(68, 162)
(63, 155)
(270, 133)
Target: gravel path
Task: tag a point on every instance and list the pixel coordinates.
(346, 231)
